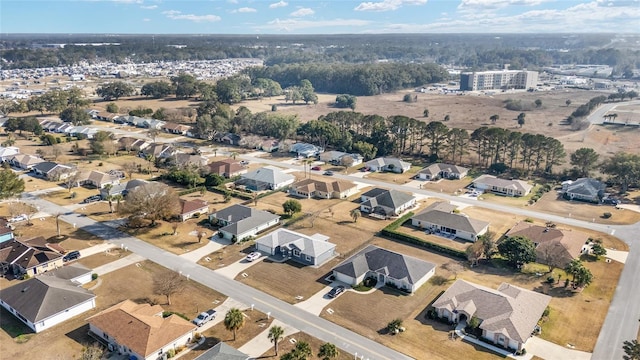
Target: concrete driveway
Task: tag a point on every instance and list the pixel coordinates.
(318, 301)
(261, 343)
(550, 351)
(214, 244)
(238, 267)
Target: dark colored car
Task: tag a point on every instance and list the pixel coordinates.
(328, 173)
(316, 168)
(336, 291)
(91, 199)
(73, 255)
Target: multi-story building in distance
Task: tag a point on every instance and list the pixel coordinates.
(496, 80)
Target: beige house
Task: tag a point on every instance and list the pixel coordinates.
(99, 179)
(32, 257)
(507, 315)
(323, 189)
(490, 183)
(227, 168)
(189, 208)
(140, 331)
(441, 219)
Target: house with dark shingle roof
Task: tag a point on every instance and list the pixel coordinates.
(312, 250)
(189, 208)
(388, 164)
(139, 330)
(440, 218)
(222, 351)
(442, 171)
(32, 257)
(227, 168)
(53, 171)
(323, 189)
(584, 189)
(507, 316)
(385, 203)
(387, 267)
(239, 221)
(45, 300)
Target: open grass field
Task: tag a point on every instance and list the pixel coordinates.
(75, 239)
(65, 341)
(553, 203)
(227, 255)
(102, 258)
(179, 241)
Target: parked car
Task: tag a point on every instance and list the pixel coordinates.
(336, 291)
(253, 256)
(17, 218)
(610, 201)
(73, 255)
(328, 173)
(91, 199)
(204, 317)
(316, 168)
(244, 162)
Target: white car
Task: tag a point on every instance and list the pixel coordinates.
(253, 256)
(21, 217)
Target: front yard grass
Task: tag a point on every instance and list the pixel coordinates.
(100, 259)
(392, 177)
(552, 202)
(74, 238)
(162, 236)
(289, 343)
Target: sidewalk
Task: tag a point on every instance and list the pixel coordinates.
(617, 255)
(118, 264)
(261, 343)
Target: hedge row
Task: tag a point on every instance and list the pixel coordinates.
(390, 232)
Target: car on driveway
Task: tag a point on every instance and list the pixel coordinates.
(316, 168)
(328, 173)
(72, 255)
(204, 317)
(253, 256)
(336, 291)
(91, 199)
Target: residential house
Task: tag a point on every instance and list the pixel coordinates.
(53, 171)
(121, 189)
(174, 128)
(388, 164)
(182, 160)
(128, 143)
(323, 189)
(227, 138)
(335, 158)
(228, 168)
(8, 152)
(139, 330)
(190, 208)
(222, 351)
(442, 171)
(266, 178)
(387, 267)
(154, 124)
(99, 179)
(584, 189)
(312, 250)
(158, 151)
(75, 272)
(239, 222)
(507, 315)
(269, 145)
(82, 132)
(305, 150)
(490, 183)
(104, 116)
(24, 161)
(441, 218)
(556, 247)
(383, 203)
(45, 301)
(31, 256)
(6, 231)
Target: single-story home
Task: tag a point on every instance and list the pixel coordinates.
(383, 203)
(335, 158)
(266, 178)
(507, 316)
(31, 256)
(490, 183)
(174, 128)
(323, 189)
(227, 138)
(189, 208)
(227, 168)
(387, 267)
(222, 351)
(442, 171)
(388, 164)
(305, 150)
(441, 218)
(121, 189)
(46, 300)
(183, 160)
(6, 231)
(8, 152)
(140, 331)
(238, 222)
(129, 143)
(99, 179)
(158, 151)
(312, 250)
(584, 189)
(75, 272)
(24, 161)
(53, 171)
(269, 145)
(554, 246)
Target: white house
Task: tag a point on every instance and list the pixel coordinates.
(440, 218)
(7, 152)
(490, 183)
(266, 178)
(239, 222)
(388, 164)
(385, 203)
(442, 171)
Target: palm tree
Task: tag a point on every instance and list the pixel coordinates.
(117, 198)
(302, 351)
(275, 335)
(233, 321)
(394, 326)
(328, 351)
(355, 214)
(58, 223)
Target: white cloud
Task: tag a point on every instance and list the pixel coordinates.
(297, 24)
(178, 15)
(232, 1)
(387, 5)
(303, 12)
(279, 4)
(494, 4)
(146, 19)
(245, 10)
(149, 7)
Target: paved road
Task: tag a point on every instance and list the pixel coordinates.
(621, 323)
(298, 318)
(597, 117)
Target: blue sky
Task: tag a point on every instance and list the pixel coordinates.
(318, 17)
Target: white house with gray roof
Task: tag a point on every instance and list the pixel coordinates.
(388, 164)
(222, 351)
(490, 183)
(387, 267)
(507, 315)
(266, 178)
(45, 301)
(442, 171)
(385, 203)
(312, 250)
(441, 218)
(238, 222)
(584, 189)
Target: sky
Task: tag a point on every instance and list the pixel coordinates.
(318, 16)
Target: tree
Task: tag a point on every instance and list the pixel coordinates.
(275, 335)
(115, 90)
(394, 326)
(129, 168)
(521, 119)
(75, 116)
(200, 235)
(494, 118)
(538, 103)
(623, 168)
(168, 284)
(92, 352)
(598, 250)
(568, 102)
(10, 184)
(328, 351)
(112, 108)
(447, 118)
(518, 250)
(583, 277)
(425, 113)
(573, 268)
(584, 160)
(185, 85)
(631, 350)
(152, 201)
(355, 214)
(234, 321)
(302, 351)
(291, 207)
(157, 89)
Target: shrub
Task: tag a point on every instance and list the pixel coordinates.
(73, 195)
(529, 220)
(94, 276)
(166, 314)
(606, 215)
(438, 280)
(551, 279)
(197, 336)
(546, 312)
(171, 353)
(274, 107)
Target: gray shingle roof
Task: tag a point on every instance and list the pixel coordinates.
(389, 199)
(268, 175)
(586, 186)
(243, 218)
(440, 213)
(503, 183)
(385, 161)
(392, 264)
(222, 351)
(435, 169)
(69, 272)
(306, 244)
(44, 296)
